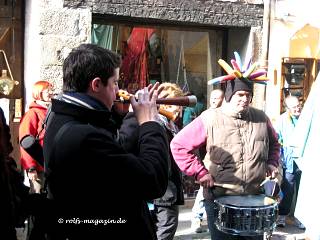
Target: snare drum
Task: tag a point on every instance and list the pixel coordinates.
(249, 215)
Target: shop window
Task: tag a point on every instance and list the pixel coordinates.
(184, 56)
(11, 47)
(298, 74)
(11, 60)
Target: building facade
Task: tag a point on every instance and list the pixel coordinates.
(294, 51)
(192, 35)
(182, 40)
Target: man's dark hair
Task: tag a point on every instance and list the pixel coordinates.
(87, 62)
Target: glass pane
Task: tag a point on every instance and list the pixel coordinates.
(295, 74)
(187, 57)
(160, 54)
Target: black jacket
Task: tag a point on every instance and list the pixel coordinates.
(129, 133)
(92, 178)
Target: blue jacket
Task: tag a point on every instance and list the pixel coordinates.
(284, 127)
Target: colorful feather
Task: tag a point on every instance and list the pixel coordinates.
(262, 78)
(215, 80)
(246, 66)
(237, 74)
(229, 77)
(245, 72)
(235, 65)
(260, 82)
(250, 70)
(225, 66)
(257, 73)
(238, 60)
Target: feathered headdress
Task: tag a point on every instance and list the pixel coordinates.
(246, 72)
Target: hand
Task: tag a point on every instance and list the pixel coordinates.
(145, 108)
(151, 89)
(206, 181)
(33, 176)
(272, 171)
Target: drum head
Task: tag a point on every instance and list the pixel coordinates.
(246, 201)
(246, 215)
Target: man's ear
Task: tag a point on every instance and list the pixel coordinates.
(95, 84)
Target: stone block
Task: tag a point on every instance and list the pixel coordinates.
(68, 22)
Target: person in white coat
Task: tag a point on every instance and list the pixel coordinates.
(305, 140)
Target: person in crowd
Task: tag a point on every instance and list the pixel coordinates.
(32, 124)
(306, 150)
(198, 209)
(216, 98)
(190, 113)
(97, 189)
(165, 210)
(241, 148)
(290, 184)
(7, 196)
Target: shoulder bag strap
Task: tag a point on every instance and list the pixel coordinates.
(57, 137)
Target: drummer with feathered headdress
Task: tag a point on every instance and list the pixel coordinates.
(241, 144)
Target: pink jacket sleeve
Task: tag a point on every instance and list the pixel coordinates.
(190, 138)
(274, 146)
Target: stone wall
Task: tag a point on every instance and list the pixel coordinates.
(60, 32)
(51, 31)
(205, 12)
(60, 25)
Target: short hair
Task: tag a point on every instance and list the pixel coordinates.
(171, 90)
(217, 90)
(87, 62)
(38, 88)
(290, 98)
(213, 93)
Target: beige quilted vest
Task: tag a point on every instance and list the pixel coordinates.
(237, 148)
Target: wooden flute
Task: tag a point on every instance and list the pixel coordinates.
(187, 101)
(178, 101)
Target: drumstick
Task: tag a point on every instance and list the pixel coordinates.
(264, 181)
(268, 179)
(228, 186)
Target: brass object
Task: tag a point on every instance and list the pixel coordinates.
(7, 83)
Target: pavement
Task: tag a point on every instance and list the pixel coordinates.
(184, 232)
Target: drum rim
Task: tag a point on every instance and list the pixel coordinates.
(243, 207)
(245, 232)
